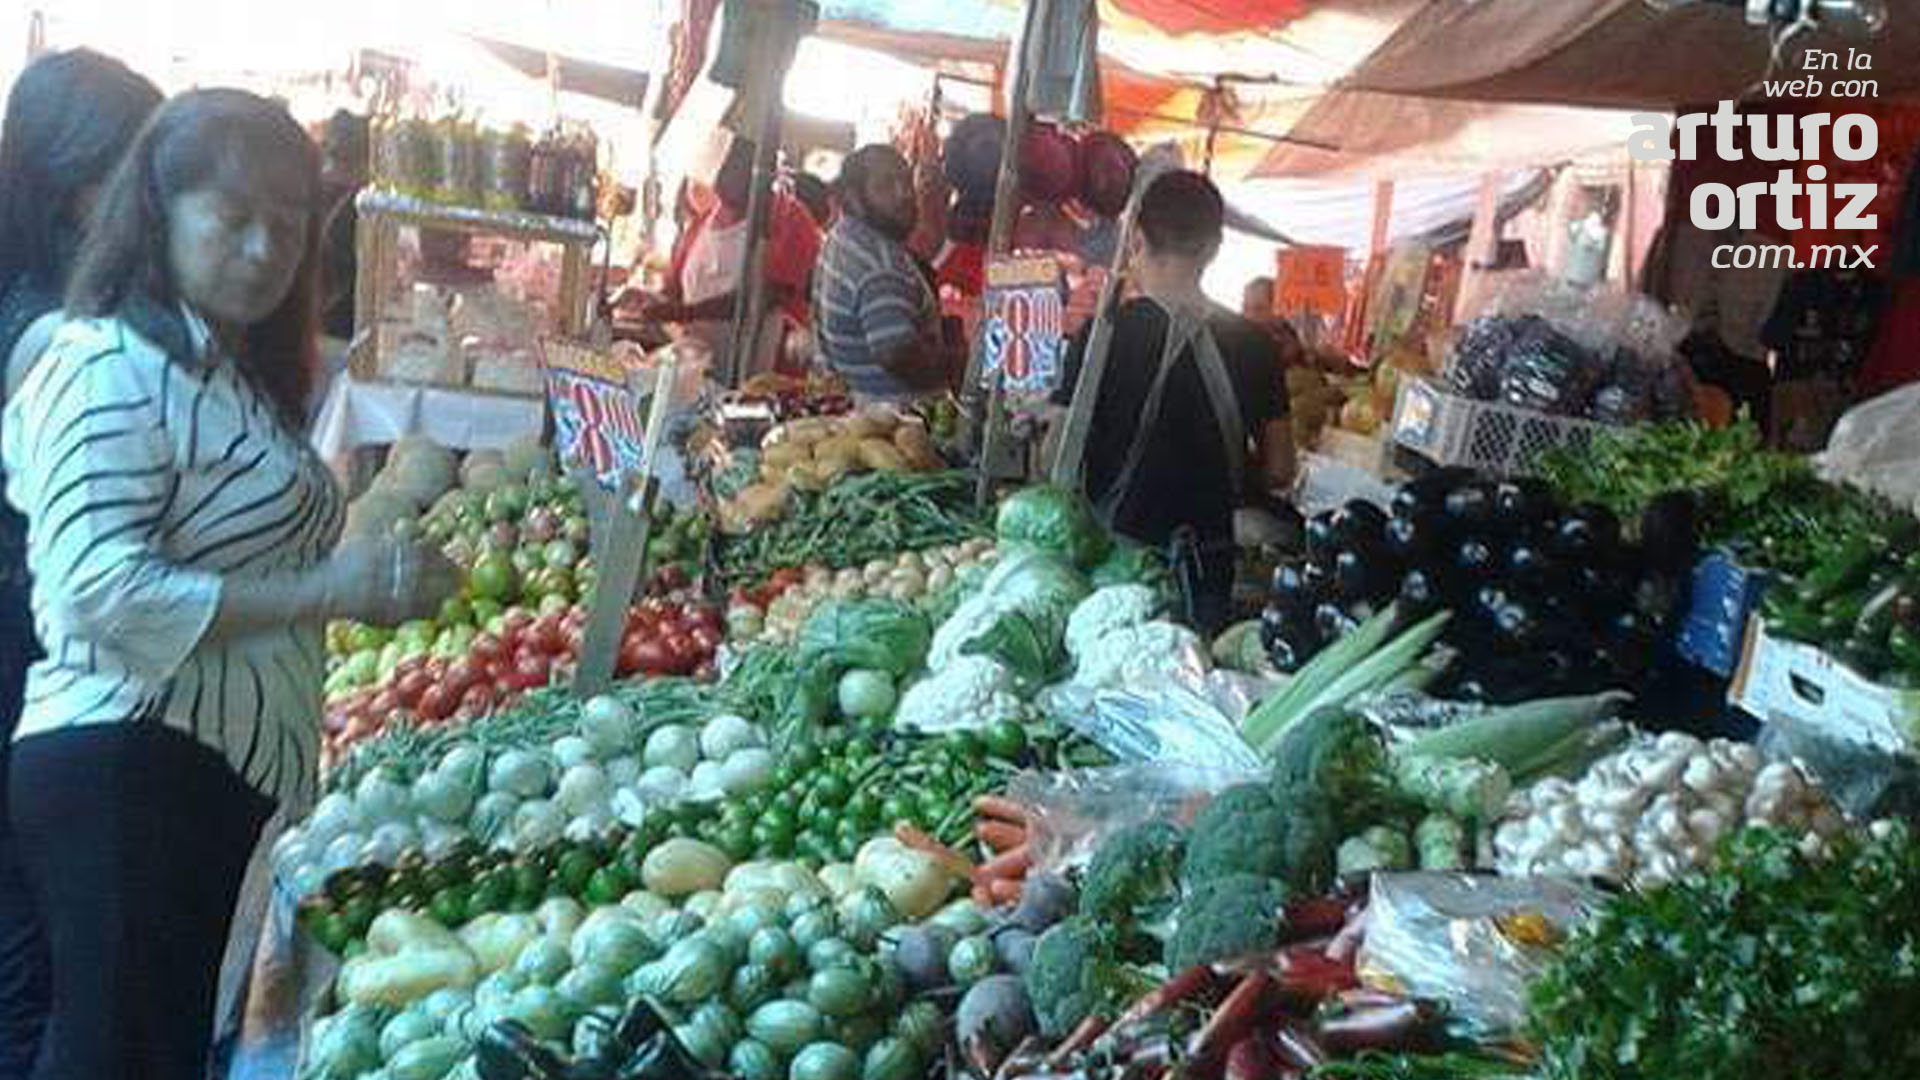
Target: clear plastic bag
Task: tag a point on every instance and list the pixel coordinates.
(1071, 813)
(1173, 722)
(1472, 941)
(1876, 447)
(1866, 780)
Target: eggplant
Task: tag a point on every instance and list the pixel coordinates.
(1359, 523)
(1518, 624)
(1421, 593)
(1413, 538)
(1430, 491)
(1316, 577)
(1360, 574)
(1477, 559)
(1668, 532)
(1321, 540)
(1470, 507)
(1588, 533)
(1523, 504)
(1332, 622)
(1489, 599)
(1290, 588)
(1531, 567)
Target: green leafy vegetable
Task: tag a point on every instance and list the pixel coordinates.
(1053, 519)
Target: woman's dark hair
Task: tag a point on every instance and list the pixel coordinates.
(124, 270)
(1181, 213)
(816, 196)
(70, 118)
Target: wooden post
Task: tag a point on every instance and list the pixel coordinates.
(1483, 241)
(1006, 206)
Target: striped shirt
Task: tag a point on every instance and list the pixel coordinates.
(145, 480)
(869, 297)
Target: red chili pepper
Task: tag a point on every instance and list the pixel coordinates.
(1077, 1040)
(1252, 1058)
(1306, 974)
(1316, 917)
(1186, 984)
(1235, 1019)
(1407, 1025)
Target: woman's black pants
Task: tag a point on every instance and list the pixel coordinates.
(134, 839)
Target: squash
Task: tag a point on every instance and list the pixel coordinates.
(917, 447)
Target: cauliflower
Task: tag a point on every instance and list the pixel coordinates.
(1112, 609)
(1145, 654)
(969, 692)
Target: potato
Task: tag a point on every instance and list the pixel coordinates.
(869, 426)
(759, 503)
(917, 447)
(806, 476)
(880, 455)
(804, 432)
(785, 454)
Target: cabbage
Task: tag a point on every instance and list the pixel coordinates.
(1055, 520)
(876, 634)
(345, 1044)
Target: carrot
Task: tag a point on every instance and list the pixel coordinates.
(1077, 1040)
(1186, 984)
(1235, 1019)
(982, 897)
(998, 835)
(997, 806)
(1014, 862)
(952, 861)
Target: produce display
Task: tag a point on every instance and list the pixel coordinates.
(891, 789)
(814, 454)
(1545, 599)
(872, 516)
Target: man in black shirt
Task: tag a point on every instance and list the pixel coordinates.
(1180, 480)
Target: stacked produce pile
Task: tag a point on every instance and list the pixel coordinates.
(1851, 582)
(810, 864)
(1545, 598)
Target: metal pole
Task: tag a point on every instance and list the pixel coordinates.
(763, 99)
(1006, 205)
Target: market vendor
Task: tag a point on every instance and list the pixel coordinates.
(704, 276)
(182, 539)
(1257, 304)
(878, 322)
(1191, 418)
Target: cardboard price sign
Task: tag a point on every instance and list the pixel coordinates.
(1024, 326)
(1310, 280)
(596, 415)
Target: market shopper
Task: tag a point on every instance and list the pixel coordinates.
(877, 322)
(182, 539)
(709, 260)
(70, 117)
(1191, 417)
(1257, 304)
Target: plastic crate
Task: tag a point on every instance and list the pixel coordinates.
(1449, 429)
(1714, 630)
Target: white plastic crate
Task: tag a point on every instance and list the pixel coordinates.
(1449, 429)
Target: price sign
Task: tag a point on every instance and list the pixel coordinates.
(1023, 331)
(596, 416)
(1310, 280)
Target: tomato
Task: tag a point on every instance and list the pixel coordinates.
(478, 699)
(575, 637)
(655, 607)
(383, 705)
(547, 635)
(704, 617)
(630, 658)
(408, 666)
(531, 671)
(410, 686)
(437, 703)
(575, 618)
(487, 648)
(651, 656)
(684, 653)
(516, 620)
(707, 639)
(461, 674)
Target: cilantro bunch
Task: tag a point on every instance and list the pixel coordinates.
(1771, 967)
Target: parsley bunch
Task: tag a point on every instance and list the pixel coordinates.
(1771, 967)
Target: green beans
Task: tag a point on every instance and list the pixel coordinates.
(867, 517)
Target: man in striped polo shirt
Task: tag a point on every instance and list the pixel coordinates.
(876, 320)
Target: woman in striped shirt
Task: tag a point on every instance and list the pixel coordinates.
(182, 539)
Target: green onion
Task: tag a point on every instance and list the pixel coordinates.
(1362, 661)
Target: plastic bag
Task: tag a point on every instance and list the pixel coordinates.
(1474, 942)
(1405, 714)
(1866, 781)
(1171, 722)
(1071, 813)
(1053, 519)
(1876, 447)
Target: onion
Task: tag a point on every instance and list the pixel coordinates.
(571, 750)
(607, 725)
(583, 788)
(381, 799)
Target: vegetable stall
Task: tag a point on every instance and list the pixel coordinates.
(893, 788)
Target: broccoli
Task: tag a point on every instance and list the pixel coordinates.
(1335, 757)
(1136, 869)
(1247, 830)
(1076, 972)
(1228, 917)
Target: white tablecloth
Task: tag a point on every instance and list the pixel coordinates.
(360, 414)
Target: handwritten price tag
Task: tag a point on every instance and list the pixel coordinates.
(596, 415)
(1024, 327)
(1310, 280)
